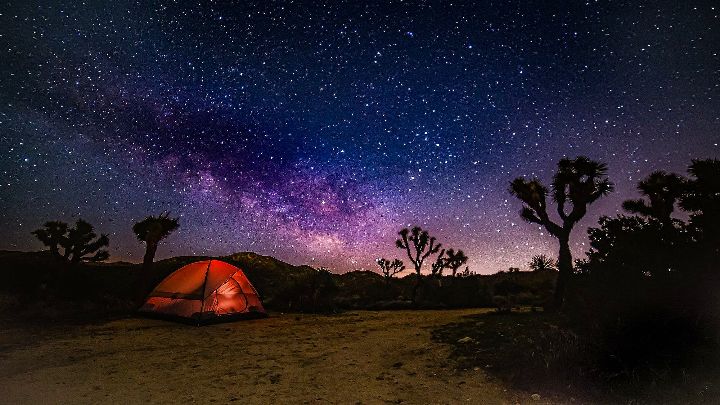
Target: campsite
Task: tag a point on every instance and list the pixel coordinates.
(360, 202)
(635, 320)
(326, 337)
(615, 326)
(85, 347)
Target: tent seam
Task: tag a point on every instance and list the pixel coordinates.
(223, 283)
(207, 271)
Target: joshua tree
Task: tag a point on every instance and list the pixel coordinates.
(448, 259)
(703, 194)
(419, 246)
(440, 264)
(389, 269)
(77, 243)
(152, 230)
(455, 260)
(541, 263)
(662, 190)
(578, 181)
(702, 200)
(52, 236)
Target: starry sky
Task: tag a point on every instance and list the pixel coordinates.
(314, 131)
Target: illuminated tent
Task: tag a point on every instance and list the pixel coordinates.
(205, 292)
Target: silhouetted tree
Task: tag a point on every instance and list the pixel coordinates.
(578, 181)
(647, 292)
(152, 230)
(440, 264)
(77, 243)
(390, 268)
(52, 236)
(627, 247)
(447, 259)
(455, 260)
(639, 290)
(662, 191)
(419, 246)
(702, 200)
(541, 263)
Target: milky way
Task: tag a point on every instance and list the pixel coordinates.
(314, 132)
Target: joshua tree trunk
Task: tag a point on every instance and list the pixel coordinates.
(565, 270)
(142, 285)
(151, 231)
(149, 256)
(415, 289)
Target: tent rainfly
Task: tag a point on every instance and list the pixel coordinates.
(205, 292)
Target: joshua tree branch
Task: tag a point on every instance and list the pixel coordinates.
(432, 249)
(404, 243)
(561, 209)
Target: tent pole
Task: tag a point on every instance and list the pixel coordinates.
(202, 302)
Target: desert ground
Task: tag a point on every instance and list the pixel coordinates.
(355, 357)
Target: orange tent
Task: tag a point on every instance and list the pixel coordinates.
(204, 292)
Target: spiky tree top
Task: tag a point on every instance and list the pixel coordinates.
(52, 235)
(541, 263)
(662, 190)
(439, 265)
(703, 192)
(578, 182)
(154, 229)
(702, 196)
(77, 243)
(449, 259)
(455, 260)
(390, 268)
(418, 244)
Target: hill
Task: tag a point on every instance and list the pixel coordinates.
(36, 285)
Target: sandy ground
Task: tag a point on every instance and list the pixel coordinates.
(357, 357)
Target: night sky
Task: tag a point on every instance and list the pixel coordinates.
(314, 132)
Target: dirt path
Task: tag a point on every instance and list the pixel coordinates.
(358, 357)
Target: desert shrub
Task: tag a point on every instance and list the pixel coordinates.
(643, 296)
(503, 303)
(647, 292)
(458, 292)
(505, 294)
(306, 290)
(364, 289)
(527, 350)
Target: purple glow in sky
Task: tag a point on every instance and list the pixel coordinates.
(314, 132)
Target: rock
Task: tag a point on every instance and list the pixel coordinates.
(466, 339)
(535, 397)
